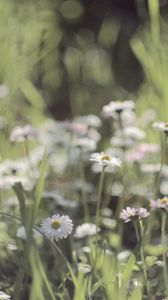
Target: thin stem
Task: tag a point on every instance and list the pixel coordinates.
(100, 188)
(165, 269)
(156, 186)
(163, 147)
(84, 196)
(136, 231)
(27, 150)
(141, 233)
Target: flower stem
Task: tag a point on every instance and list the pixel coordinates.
(100, 188)
(84, 196)
(165, 269)
(139, 235)
(99, 198)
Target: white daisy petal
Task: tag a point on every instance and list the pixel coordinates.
(104, 159)
(57, 227)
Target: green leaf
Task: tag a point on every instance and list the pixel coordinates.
(43, 275)
(136, 294)
(150, 260)
(19, 191)
(95, 287)
(155, 250)
(32, 94)
(126, 274)
(39, 188)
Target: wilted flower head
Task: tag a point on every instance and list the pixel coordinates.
(104, 159)
(162, 126)
(86, 229)
(133, 214)
(117, 107)
(159, 203)
(4, 296)
(57, 227)
(20, 134)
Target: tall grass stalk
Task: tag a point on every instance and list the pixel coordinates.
(164, 255)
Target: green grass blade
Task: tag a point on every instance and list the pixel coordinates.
(136, 294)
(126, 274)
(44, 277)
(19, 191)
(39, 188)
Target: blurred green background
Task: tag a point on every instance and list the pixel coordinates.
(69, 58)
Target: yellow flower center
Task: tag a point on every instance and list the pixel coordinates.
(105, 157)
(164, 200)
(55, 224)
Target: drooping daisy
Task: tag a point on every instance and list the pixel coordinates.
(133, 214)
(57, 227)
(104, 159)
(84, 230)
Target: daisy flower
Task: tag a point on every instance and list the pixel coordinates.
(104, 159)
(117, 107)
(84, 230)
(20, 134)
(134, 133)
(90, 120)
(57, 227)
(133, 214)
(159, 203)
(162, 126)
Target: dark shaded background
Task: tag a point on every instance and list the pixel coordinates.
(126, 68)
